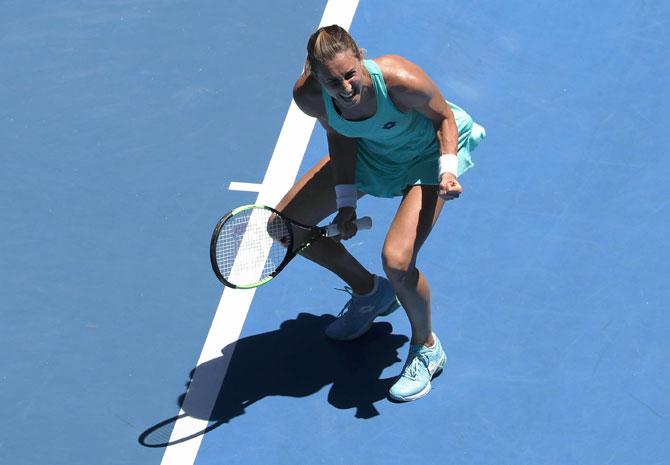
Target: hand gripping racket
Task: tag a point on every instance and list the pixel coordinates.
(253, 243)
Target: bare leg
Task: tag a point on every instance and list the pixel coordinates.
(309, 201)
(414, 220)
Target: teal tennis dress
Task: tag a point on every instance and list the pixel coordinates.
(397, 150)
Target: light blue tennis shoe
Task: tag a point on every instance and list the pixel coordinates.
(358, 314)
(422, 364)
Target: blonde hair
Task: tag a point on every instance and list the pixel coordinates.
(327, 42)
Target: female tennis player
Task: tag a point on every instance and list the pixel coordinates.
(390, 134)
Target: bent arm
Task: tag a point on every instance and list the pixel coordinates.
(342, 150)
(445, 124)
(413, 89)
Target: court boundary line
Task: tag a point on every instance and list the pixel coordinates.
(234, 304)
(245, 186)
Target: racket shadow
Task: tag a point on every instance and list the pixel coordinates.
(296, 360)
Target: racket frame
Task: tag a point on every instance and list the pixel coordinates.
(319, 232)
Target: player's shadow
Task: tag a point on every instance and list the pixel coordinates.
(297, 360)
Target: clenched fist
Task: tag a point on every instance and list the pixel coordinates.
(345, 221)
(450, 188)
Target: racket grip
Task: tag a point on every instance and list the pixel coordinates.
(361, 223)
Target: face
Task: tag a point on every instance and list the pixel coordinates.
(343, 78)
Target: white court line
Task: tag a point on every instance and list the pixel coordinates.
(234, 304)
(245, 186)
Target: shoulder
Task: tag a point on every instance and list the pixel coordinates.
(406, 82)
(401, 73)
(307, 95)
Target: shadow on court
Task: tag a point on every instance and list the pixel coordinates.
(296, 360)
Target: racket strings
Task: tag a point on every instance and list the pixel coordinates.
(251, 245)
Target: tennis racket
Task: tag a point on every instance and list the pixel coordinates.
(253, 243)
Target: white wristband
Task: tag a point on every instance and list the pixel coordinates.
(448, 164)
(346, 195)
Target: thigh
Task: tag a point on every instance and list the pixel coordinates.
(419, 210)
(312, 197)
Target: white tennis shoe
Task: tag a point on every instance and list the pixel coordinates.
(422, 364)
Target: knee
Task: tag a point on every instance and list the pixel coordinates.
(398, 265)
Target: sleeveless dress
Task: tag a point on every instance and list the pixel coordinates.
(395, 149)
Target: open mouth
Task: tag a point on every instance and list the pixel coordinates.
(348, 97)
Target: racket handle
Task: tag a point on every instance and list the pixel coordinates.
(361, 223)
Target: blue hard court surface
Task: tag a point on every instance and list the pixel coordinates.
(122, 124)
